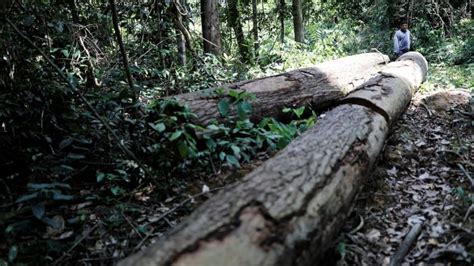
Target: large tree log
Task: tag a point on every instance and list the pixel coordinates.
(287, 210)
(318, 86)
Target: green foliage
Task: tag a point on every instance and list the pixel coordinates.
(341, 249)
(455, 49)
(449, 77)
(55, 152)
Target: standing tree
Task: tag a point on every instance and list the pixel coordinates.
(298, 21)
(281, 9)
(180, 40)
(255, 26)
(210, 27)
(122, 49)
(234, 22)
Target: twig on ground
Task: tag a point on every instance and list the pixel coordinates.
(410, 238)
(163, 216)
(361, 224)
(132, 225)
(57, 262)
(467, 175)
(465, 230)
(426, 108)
(471, 208)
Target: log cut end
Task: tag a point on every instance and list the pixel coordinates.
(419, 59)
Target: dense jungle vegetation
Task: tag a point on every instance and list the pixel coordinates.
(89, 136)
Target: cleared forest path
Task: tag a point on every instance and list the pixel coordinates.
(424, 176)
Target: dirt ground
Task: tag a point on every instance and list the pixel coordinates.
(425, 176)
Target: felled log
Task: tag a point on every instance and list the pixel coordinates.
(317, 86)
(288, 210)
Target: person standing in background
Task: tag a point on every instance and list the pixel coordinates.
(401, 40)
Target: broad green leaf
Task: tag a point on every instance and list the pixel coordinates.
(183, 149)
(65, 52)
(12, 253)
(116, 190)
(100, 177)
(299, 111)
(213, 127)
(246, 106)
(234, 94)
(243, 109)
(176, 135)
(232, 160)
(341, 249)
(38, 211)
(159, 127)
(223, 107)
(235, 149)
(222, 155)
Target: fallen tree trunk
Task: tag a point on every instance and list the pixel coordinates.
(318, 86)
(288, 210)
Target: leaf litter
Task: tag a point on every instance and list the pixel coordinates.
(423, 177)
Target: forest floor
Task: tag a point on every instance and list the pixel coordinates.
(424, 176)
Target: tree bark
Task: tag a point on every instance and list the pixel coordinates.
(298, 21)
(181, 43)
(211, 27)
(158, 10)
(281, 14)
(180, 39)
(123, 53)
(236, 25)
(317, 86)
(288, 210)
(255, 27)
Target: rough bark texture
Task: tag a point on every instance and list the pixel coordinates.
(281, 16)
(255, 27)
(233, 16)
(293, 202)
(318, 86)
(287, 210)
(298, 21)
(397, 81)
(211, 26)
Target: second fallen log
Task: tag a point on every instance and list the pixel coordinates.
(317, 86)
(288, 210)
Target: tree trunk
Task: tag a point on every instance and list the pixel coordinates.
(159, 33)
(211, 27)
(123, 53)
(282, 8)
(298, 21)
(317, 86)
(255, 26)
(181, 43)
(180, 39)
(236, 25)
(288, 210)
